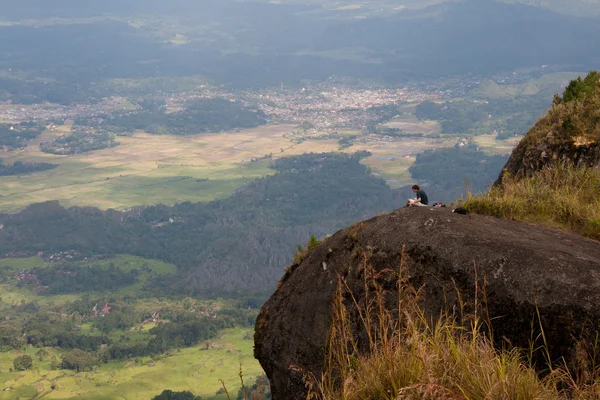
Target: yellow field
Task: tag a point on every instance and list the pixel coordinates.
(413, 125)
(492, 146)
(151, 169)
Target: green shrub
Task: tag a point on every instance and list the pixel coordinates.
(580, 88)
(302, 252)
(23, 363)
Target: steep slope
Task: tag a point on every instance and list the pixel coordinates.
(569, 132)
(528, 270)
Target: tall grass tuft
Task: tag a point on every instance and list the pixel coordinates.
(410, 356)
(560, 196)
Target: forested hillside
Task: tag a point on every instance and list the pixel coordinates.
(241, 242)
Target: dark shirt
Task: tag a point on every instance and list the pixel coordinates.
(421, 195)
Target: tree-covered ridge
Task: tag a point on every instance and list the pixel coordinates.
(197, 116)
(506, 117)
(239, 242)
(38, 91)
(69, 278)
(20, 167)
(452, 170)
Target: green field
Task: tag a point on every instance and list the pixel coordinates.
(10, 295)
(150, 169)
(196, 369)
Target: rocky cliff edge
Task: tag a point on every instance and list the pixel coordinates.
(527, 268)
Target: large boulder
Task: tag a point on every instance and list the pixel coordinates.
(527, 268)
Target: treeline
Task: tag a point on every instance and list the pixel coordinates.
(80, 141)
(45, 329)
(64, 279)
(197, 116)
(238, 243)
(506, 117)
(40, 91)
(20, 167)
(16, 136)
(451, 170)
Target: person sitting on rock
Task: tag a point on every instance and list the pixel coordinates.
(420, 200)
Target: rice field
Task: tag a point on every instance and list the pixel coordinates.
(150, 169)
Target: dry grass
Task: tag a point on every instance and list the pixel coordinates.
(560, 196)
(411, 357)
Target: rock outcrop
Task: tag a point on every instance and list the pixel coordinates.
(527, 268)
(568, 133)
(532, 155)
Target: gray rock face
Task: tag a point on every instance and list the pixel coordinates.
(525, 266)
(526, 159)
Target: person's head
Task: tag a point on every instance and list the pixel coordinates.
(416, 188)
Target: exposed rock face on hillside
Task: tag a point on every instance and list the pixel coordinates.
(525, 267)
(569, 132)
(530, 156)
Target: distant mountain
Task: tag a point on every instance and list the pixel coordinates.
(470, 37)
(254, 44)
(569, 7)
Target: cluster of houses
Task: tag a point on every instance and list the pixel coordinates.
(100, 312)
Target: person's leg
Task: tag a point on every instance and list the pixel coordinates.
(419, 204)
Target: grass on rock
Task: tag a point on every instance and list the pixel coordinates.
(561, 196)
(411, 357)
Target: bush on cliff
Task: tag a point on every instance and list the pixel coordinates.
(574, 114)
(569, 132)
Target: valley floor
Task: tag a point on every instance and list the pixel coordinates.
(151, 169)
(197, 369)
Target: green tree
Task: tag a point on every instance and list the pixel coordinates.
(260, 390)
(78, 360)
(171, 395)
(42, 354)
(53, 363)
(23, 363)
